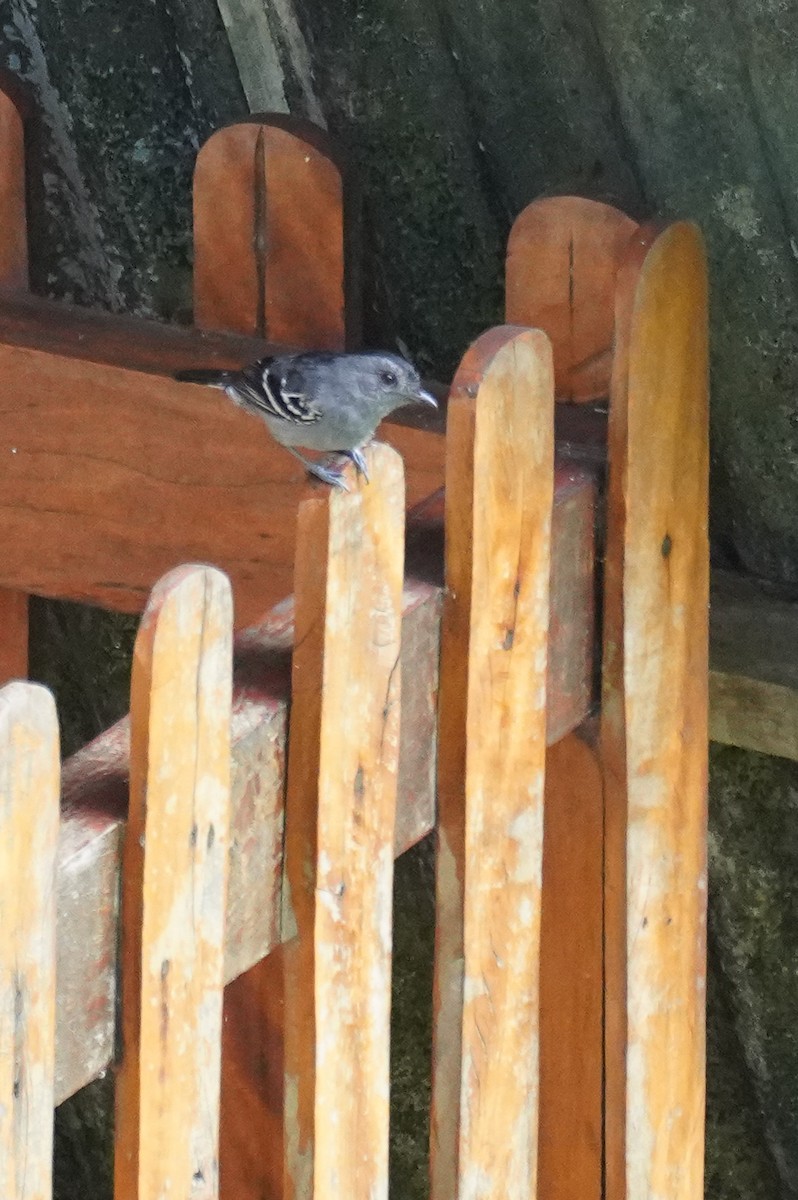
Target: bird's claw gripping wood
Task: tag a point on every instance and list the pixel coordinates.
(356, 456)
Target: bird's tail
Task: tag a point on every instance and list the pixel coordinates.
(209, 376)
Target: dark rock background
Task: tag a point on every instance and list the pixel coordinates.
(457, 113)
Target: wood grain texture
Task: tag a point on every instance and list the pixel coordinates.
(29, 779)
(96, 783)
(562, 260)
(571, 1007)
(174, 885)
(492, 740)
(13, 277)
(753, 676)
(269, 234)
(654, 722)
(78, 439)
(340, 814)
(13, 218)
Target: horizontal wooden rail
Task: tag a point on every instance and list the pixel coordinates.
(95, 779)
(753, 667)
(114, 473)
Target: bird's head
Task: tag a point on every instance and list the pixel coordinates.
(390, 381)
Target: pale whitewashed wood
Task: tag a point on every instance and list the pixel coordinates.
(340, 811)
(492, 742)
(29, 791)
(174, 890)
(654, 722)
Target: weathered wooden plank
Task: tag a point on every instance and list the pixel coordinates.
(654, 722)
(753, 671)
(562, 260)
(340, 807)
(174, 885)
(491, 755)
(95, 779)
(29, 771)
(571, 1078)
(269, 199)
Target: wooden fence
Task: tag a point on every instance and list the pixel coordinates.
(441, 671)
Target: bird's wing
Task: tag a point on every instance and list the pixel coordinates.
(276, 395)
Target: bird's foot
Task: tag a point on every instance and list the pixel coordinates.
(328, 475)
(357, 457)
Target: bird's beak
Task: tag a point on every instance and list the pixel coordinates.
(424, 397)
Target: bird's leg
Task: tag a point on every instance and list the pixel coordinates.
(327, 475)
(356, 456)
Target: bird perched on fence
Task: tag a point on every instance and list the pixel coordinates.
(321, 401)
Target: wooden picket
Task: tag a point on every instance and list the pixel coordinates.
(174, 892)
(29, 788)
(340, 816)
(492, 748)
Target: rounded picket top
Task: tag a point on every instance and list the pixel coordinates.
(563, 255)
(269, 240)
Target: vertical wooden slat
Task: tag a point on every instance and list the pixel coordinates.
(272, 255)
(654, 722)
(563, 258)
(342, 771)
(269, 250)
(29, 814)
(174, 891)
(571, 1075)
(492, 742)
(14, 276)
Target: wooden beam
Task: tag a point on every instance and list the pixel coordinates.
(753, 669)
(95, 779)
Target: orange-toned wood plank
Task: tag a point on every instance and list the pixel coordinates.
(13, 218)
(13, 635)
(174, 884)
(492, 739)
(13, 276)
(654, 722)
(340, 812)
(29, 787)
(571, 1025)
(562, 260)
(251, 1133)
(78, 441)
(269, 240)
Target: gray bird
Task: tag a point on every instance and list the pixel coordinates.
(321, 401)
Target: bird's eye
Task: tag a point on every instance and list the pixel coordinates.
(389, 378)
